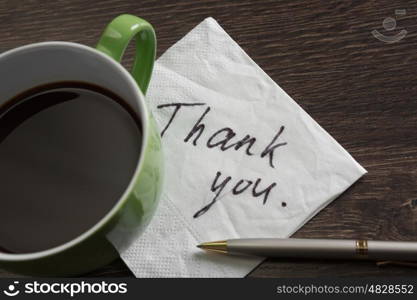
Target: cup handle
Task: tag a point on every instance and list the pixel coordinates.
(117, 36)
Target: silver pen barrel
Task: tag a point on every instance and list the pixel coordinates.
(325, 248)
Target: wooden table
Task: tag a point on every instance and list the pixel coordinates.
(361, 90)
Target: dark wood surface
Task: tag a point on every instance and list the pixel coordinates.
(361, 90)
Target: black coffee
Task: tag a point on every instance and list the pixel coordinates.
(67, 153)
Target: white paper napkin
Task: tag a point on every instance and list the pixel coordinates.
(242, 160)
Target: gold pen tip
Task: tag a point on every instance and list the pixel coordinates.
(218, 246)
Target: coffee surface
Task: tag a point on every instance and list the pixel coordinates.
(67, 154)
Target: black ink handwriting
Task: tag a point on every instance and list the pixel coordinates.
(218, 189)
(241, 186)
(177, 108)
(222, 138)
(271, 147)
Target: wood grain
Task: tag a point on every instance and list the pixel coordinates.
(322, 53)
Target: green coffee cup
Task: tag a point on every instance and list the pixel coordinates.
(42, 63)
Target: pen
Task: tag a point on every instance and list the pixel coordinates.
(316, 248)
